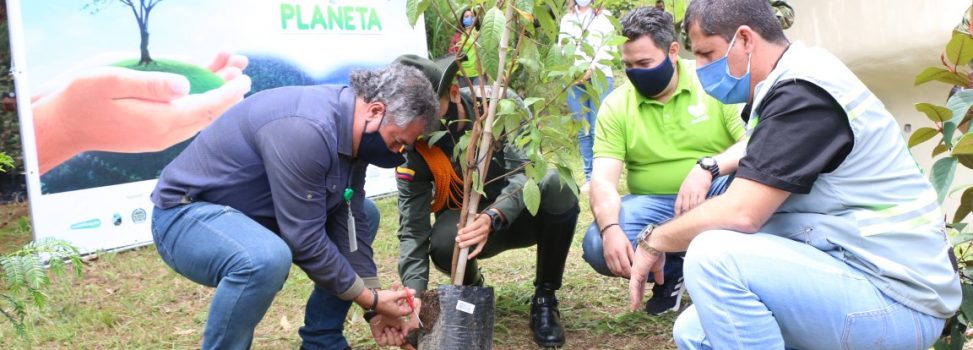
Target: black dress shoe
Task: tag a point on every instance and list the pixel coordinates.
(545, 321)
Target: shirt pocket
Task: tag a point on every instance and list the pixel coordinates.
(334, 187)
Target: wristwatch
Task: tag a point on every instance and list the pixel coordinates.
(643, 240)
(709, 164)
(371, 312)
(496, 221)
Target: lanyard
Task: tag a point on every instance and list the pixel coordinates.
(352, 233)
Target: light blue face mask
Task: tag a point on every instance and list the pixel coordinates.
(583, 3)
(719, 83)
(467, 22)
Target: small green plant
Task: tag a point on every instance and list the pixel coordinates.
(25, 276)
(955, 146)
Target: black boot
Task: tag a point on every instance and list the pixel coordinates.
(545, 320)
(553, 244)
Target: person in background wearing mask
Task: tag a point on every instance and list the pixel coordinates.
(830, 237)
(279, 178)
(677, 144)
(464, 47)
(429, 182)
(586, 25)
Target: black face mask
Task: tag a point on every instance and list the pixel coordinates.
(453, 129)
(374, 150)
(651, 81)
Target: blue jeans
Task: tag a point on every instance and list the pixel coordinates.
(325, 313)
(218, 246)
(584, 109)
(638, 211)
(762, 291)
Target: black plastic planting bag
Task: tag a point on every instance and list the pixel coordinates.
(457, 317)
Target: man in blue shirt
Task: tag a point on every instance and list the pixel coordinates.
(279, 178)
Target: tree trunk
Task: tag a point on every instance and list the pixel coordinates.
(471, 200)
(144, 46)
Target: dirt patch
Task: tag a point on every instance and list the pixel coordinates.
(14, 230)
(429, 311)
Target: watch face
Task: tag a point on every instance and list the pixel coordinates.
(707, 162)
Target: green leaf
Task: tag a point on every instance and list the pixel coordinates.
(490, 32)
(435, 136)
(956, 338)
(548, 23)
(526, 17)
(525, 5)
(529, 56)
(965, 207)
(412, 11)
(964, 145)
(935, 113)
(532, 196)
(967, 306)
(940, 148)
(507, 106)
(461, 147)
(615, 40)
(554, 58)
(566, 176)
(959, 50)
(532, 100)
(949, 128)
(966, 160)
(477, 184)
(941, 75)
(538, 167)
(511, 123)
(943, 172)
(960, 103)
(921, 135)
(961, 238)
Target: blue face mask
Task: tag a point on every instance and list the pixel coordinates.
(467, 22)
(372, 149)
(583, 3)
(651, 81)
(719, 83)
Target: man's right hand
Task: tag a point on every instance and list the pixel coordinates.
(618, 251)
(390, 331)
(392, 303)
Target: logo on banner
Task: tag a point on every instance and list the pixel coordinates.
(87, 224)
(321, 18)
(138, 216)
(116, 219)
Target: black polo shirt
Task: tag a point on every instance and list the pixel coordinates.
(802, 132)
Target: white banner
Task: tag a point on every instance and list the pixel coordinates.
(103, 121)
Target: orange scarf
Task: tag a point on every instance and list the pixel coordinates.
(449, 186)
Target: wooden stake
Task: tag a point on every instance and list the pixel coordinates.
(471, 199)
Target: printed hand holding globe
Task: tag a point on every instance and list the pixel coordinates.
(124, 110)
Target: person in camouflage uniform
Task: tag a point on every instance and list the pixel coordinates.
(429, 183)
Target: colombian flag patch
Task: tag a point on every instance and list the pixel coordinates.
(403, 173)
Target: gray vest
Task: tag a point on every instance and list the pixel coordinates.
(876, 211)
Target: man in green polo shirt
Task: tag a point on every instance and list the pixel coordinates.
(676, 142)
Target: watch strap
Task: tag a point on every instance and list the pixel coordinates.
(643, 240)
(713, 169)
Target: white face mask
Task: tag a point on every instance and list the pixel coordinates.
(583, 3)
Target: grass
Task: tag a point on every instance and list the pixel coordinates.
(132, 300)
(200, 79)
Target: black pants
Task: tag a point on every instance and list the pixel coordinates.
(552, 230)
